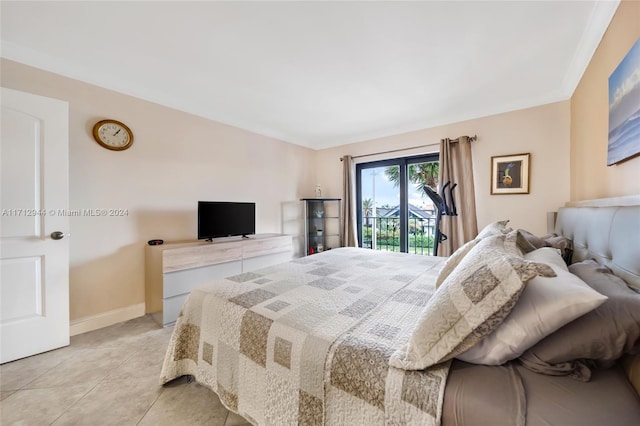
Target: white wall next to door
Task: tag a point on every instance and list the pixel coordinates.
(176, 160)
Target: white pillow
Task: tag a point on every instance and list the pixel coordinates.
(545, 305)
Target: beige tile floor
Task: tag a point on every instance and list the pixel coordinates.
(106, 377)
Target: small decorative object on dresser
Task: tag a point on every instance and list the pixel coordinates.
(510, 174)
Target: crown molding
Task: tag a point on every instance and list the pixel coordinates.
(599, 21)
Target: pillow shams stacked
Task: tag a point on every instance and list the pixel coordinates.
(471, 302)
(546, 304)
(515, 242)
(495, 228)
(596, 339)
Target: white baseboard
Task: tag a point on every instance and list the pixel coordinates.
(105, 319)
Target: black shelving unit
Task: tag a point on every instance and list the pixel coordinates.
(322, 230)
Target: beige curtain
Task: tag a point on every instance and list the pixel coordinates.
(456, 166)
(349, 218)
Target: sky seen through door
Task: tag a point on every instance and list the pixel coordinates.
(385, 192)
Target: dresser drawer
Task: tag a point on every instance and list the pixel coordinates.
(260, 247)
(171, 308)
(199, 256)
(184, 281)
(253, 263)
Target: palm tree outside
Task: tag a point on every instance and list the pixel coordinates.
(381, 223)
(367, 208)
(420, 174)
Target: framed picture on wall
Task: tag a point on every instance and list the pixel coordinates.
(510, 174)
(624, 108)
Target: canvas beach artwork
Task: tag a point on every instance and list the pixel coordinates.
(624, 108)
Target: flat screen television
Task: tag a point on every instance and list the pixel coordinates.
(225, 219)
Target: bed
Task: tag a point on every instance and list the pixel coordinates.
(336, 338)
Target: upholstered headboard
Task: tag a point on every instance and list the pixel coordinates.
(610, 235)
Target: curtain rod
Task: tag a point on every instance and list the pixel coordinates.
(471, 139)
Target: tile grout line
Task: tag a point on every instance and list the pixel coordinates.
(151, 405)
(99, 382)
(72, 405)
(103, 380)
(24, 387)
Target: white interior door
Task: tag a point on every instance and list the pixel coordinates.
(34, 194)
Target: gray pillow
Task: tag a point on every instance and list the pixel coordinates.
(596, 339)
(518, 240)
(564, 244)
(537, 242)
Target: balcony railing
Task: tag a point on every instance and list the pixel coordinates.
(387, 234)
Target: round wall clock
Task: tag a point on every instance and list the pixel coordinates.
(113, 135)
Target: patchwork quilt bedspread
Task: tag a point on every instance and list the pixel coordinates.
(308, 341)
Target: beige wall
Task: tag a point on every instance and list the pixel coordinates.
(590, 176)
(542, 131)
(176, 160)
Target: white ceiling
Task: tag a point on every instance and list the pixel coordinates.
(317, 74)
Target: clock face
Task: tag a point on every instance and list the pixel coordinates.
(113, 135)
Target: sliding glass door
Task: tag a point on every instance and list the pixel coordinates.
(394, 213)
(379, 201)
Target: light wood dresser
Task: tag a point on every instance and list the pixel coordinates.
(173, 270)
